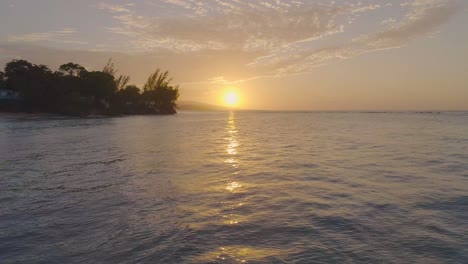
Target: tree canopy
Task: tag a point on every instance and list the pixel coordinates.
(2, 80)
(72, 69)
(159, 94)
(73, 90)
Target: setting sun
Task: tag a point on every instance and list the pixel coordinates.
(231, 99)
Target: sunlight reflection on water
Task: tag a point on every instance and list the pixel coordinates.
(235, 187)
(232, 145)
(232, 135)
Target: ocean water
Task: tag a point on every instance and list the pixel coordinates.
(239, 187)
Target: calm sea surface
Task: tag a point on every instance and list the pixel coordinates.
(242, 187)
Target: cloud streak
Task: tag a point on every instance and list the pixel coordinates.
(421, 20)
(228, 41)
(285, 37)
(60, 36)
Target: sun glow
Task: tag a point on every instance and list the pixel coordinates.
(231, 99)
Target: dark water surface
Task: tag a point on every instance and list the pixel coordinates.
(235, 188)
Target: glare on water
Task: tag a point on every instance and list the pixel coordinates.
(235, 187)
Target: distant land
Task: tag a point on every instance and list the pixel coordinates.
(197, 106)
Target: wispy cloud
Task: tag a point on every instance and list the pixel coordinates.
(281, 37)
(422, 18)
(63, 36)
(115, 8)
(242, 25)
(228, 41)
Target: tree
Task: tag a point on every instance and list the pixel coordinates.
(162, 100)
(39, 93)
(17, 66)
(72, 69)
(110, 68)
(122, 81)
(160, 97)
(156, 80)
(99, 87)
(68, 93)
(127, 101)
(131, 94)
(17, 74)
(72, 90)
(33, 82)
(2, 80)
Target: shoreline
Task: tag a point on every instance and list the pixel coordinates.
(54, 115)
(23, 114)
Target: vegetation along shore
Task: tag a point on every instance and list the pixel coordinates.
(73, 90)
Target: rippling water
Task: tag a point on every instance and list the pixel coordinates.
(239, 187)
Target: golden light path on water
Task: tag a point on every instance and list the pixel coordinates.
(239, 253)
(232, 145)
(240, 187)
(232, 160)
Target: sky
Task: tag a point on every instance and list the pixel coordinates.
(274, 54)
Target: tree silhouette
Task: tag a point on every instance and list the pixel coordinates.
(122, 81)
(2, 80)
(17, 74)
(73, 90)
(99, 86)
(72, 69)
(109, 68)
(156, 80)
(128, 101)
(33, 82)
(159, 96)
